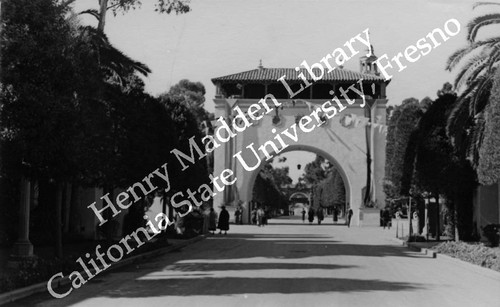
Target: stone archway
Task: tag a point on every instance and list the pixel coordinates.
(344, 139)
(298, 193)
(252, 176)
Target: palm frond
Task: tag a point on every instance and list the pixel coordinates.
(484, 3)
(478, 92)
(482, 94)
(476, 139)
(472, 68)
(110, 59)
(458, 55)
(475, 25)
(494, 58)
(457, 123)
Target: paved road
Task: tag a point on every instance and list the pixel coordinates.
(288, 263)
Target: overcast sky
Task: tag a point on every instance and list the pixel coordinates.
(220, 37)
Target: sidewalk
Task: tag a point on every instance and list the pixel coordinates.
(174, 244)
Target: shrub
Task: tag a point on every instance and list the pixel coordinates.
(476, 253)
(492, 233)
(35, 270)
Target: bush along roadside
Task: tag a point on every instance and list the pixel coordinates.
(37, 269)
(492, 233)
(475, 253)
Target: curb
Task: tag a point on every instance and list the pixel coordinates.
(17, 294)
(442, 257)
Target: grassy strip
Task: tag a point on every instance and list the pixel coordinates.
(475, 253)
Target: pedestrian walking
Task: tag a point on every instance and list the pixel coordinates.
(386, 214)
(335, 215)
(349, 217)
(223, 220)
(260, 217)
(212, 221)
(310, 215)
(303, 215)
(320, 215)
(237, 216)
(265, 217)
(254, 216)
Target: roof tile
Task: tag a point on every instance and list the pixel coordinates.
(273, 74)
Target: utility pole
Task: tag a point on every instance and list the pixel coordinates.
(410, 230)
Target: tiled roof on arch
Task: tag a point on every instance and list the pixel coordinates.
(273, 74)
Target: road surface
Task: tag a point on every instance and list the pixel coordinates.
(288, 263)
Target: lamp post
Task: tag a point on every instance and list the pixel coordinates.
(370, 103)
(410, 226)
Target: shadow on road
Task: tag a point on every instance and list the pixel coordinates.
(242, 285)
(241, 263)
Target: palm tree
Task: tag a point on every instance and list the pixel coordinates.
(474, 83)
(114, 64)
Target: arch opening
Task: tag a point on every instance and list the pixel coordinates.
(299, 194)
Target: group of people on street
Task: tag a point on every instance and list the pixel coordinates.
(320, 215)
(222, 224)
(259, 217)
(386, 218)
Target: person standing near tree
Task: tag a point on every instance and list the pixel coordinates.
(254, 216)
(223, 220)
(237, 216)
(310, 215)
(320, 215)
(223, 223)
(303, 215)
(349, 217)
(212, 220)
(386, 218)
(260, 217)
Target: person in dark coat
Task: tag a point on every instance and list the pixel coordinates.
(386, 215)
(254, 217)
(212, 220)
(335, 215)
(320, 215)
(349, 217)
(303, 216)
(223, 220)
(310, 215)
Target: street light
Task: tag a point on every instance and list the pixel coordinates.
(370, 102)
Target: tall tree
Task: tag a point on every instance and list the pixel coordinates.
(402, 122)
(192, 96)
(435, 168)
(38, 115)
(488, 169)
(317, 170)
(474, 82)
(123, 6)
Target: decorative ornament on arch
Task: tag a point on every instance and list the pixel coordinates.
(349, 121)
(323, 119)
(298, 117)
(278, 120)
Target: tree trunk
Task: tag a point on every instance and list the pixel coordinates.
(455, 220)
(74, 226)
(366, 199)
(437, 217)
(103, 7)
(165, 209)
(109, 226)
(1, 42)
(58, 223)
(67, 207)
